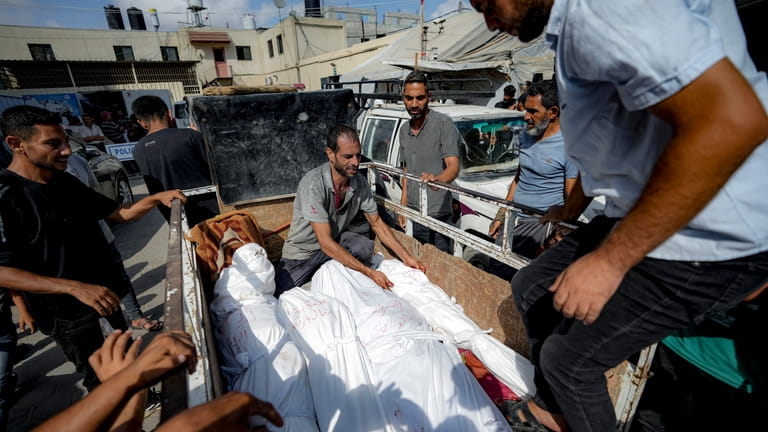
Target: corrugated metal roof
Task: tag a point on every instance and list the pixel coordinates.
(208, 37)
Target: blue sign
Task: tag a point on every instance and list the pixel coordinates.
(123, 152)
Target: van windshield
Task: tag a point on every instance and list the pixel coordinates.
(490, 144)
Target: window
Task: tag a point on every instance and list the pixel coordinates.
(243, 52)
(270, 49)
(279, 40)
(169, 53)
(41, 52)
(123, 53)
(490, 142)
(377, 137)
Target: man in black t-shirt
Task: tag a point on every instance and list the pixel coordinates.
(51, 246)
(173, 158)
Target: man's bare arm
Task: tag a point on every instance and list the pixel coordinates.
(570, 183)
(334, 250)
(102, 299)
(129, 374)
(133, 211)
(707, 147)
(403, 199)
(230, 413)
(449, 173)
(493, 230)
(389, 240)
(94, 138)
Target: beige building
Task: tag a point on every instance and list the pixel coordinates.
(300, 51)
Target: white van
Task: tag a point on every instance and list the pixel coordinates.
(489, 151)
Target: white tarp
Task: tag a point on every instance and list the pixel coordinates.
(463, 48)
(448, 318)
(257, 355)
(423, 384)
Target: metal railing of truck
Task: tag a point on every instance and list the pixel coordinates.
(462, 238)
(186, 310)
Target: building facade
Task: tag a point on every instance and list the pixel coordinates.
(300, 51)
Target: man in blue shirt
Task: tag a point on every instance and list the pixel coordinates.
(684, 231)
(545, 177)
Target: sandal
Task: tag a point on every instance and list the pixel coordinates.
(147, 324)
(520, 418)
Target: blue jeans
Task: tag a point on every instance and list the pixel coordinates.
(292, 273)
(129, 300)
(656, 298)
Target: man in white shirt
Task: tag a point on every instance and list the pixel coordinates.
(91, 132)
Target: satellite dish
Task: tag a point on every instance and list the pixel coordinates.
(279, 3)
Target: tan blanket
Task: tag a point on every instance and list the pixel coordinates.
(219, 237)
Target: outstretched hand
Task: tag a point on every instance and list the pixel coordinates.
(102, 299)
(113, 356)
(585, 286)
(228, 413)
(27, 321)
(380, 279)
(493, 230)
(554, 214)
(415, 263)
(431, 178)
(166, 197)
(165, 353)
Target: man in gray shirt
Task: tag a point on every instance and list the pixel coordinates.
(429, 147)
(327, 200)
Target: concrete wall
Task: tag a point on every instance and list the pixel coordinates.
(310, 46)
(73, 44)
(176, 89)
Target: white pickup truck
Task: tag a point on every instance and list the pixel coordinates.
(245, 157)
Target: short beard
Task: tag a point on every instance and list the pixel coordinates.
(342, 171)
(538, 128)
(419, 115)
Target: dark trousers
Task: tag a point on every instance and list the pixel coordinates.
(528, 236)
(292, 273)
(79, 339)
(656, 298)
(7, 384)
(426, 235)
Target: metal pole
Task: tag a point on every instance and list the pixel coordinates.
(423, 32)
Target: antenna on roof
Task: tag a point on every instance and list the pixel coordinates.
(194, 7)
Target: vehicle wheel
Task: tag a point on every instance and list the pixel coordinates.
(476, 258)
(123, 192)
